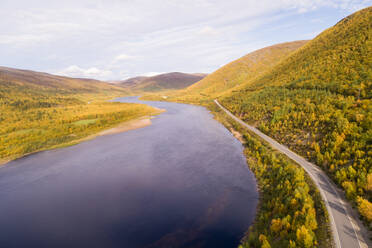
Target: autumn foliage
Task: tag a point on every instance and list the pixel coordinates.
(36, 116)
(318, 102)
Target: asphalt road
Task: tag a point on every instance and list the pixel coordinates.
(347, 230)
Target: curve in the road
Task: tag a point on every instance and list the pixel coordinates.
(346, 229)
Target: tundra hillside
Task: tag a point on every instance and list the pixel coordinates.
(232, 75)
(40, 111)
(318, 102)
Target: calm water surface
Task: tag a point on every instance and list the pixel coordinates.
(181, 182)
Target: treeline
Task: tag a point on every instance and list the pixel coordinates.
(291, 212)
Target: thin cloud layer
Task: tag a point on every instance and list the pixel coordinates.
(115, 39)
(76, 71)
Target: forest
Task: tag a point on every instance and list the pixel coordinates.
(318, 102)
(291, 211)
(35, 117)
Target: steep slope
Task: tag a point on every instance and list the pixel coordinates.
(40, 111)
(318, 102)
(233, 75)
(244, 69)
(167, 81)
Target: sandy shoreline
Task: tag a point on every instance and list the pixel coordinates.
(126, 126)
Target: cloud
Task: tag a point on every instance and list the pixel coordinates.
(108, 37)
(122, 57)
(76, 71)
(23, 39)
(207, 30)
(316, 20)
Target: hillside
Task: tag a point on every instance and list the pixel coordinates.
(29, 78)
(40, 111)
(167, 81)
(132, 82)
(318, 102)
(233, 75)
(244, 69)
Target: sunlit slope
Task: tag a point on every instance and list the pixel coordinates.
(339, 59)
(243, 70)
(39, 111)
(318, 101)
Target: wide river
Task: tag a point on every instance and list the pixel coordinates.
(181, 182)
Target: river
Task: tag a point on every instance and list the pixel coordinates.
(181, 182)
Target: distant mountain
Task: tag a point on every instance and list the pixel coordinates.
(43, 80)
(167, 81)
(132, 82)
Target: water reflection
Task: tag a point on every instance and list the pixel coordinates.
(181, 182)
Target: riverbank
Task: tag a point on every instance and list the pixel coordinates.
(291, 211)
(122, 127)
(127, 125)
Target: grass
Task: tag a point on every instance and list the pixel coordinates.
(85, 122)
(39, 111)
(23, 132)
(235, 74)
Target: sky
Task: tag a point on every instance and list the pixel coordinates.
(118, 39)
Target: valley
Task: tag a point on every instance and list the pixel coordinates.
(273, 149)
